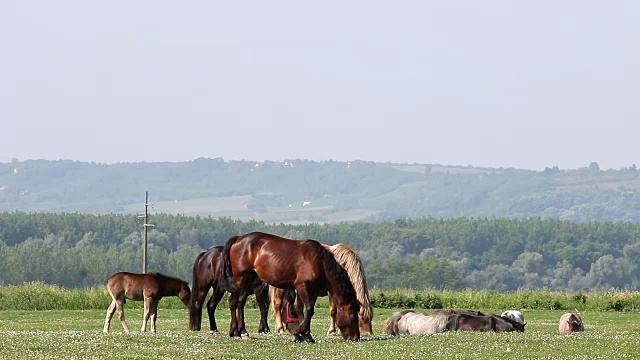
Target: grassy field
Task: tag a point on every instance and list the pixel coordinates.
(78, 334)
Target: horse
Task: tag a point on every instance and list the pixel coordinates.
(570, 322)
(303, 265)
(350, 261)
(207, 270)
(489, 322)
(514, 315)
(148, 287)
(410, 322)
(459, 311)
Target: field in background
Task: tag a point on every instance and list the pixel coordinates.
(78, 334)
(236, 207)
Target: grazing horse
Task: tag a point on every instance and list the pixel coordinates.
(489, 322)
(514, 315)
(570, 322)
(207, 270)
(410, 322)
(303, 265)
(350, 261)
(148, 287)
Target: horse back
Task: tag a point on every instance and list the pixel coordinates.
(278, 261)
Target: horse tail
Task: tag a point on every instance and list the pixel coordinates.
(226, 279)
(350, 261)
(272, 301)
(391, 326)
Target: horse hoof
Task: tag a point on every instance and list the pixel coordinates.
(213, 332)
(245, 336)
(310, 340)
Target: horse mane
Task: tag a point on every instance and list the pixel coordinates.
(226, 280)
(333, 269)
(167, 277)
(352, 264)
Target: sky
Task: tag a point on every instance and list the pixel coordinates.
(484, 83)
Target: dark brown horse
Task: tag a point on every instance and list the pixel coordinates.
(147, 287)
(303, 265)
(491, 322)
(207, 271)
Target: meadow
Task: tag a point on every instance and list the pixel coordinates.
(77, 334)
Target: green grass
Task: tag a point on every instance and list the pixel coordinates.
(78, 334)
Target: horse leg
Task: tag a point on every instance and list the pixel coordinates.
(233, 306)
(333, 312)
(120, 310)
(147, 311)
(262, 298)
(303, 332)
(242, 300)
(154, 314)
(277, 310)
(110, 311)
(212, 304)
(195, 310)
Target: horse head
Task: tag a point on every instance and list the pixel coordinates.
(347, 321)
(185, 294)
(575, 323)
(364, 323)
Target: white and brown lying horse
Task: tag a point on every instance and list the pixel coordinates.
(514, 315)
(570, 322)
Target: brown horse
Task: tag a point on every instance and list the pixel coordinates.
(207, 271)
(491, 322)
(303, 265)
(350, 261)
(148, 287)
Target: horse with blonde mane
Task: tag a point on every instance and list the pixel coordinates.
(350, 261)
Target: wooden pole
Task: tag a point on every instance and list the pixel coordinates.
(144, 241)
(146, 227)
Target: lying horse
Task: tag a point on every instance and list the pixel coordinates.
(207, 271)
(570, 322)
(514, 315)
(148, 287)
(489, 322)
(410, 322)
(303, 265)
(350, 261)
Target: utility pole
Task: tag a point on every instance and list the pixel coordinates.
(146, 226)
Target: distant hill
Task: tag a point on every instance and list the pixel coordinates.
(300, 191)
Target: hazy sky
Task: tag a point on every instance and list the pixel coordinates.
(484, 83)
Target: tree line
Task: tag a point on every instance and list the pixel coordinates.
(80, 250)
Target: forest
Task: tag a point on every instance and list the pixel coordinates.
(82, 249)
